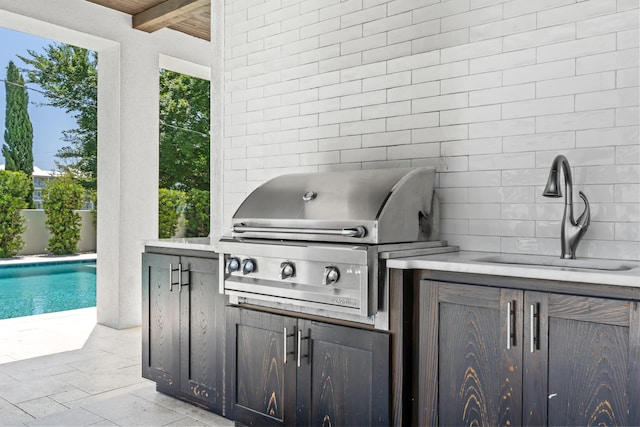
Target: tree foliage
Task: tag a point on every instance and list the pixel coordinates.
(196, 212)
(62, 197)
(69, 77)
(18, 134)
(14, 187)
(184, 131)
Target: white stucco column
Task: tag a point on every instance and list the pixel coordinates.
(128, 148)
(217, 116)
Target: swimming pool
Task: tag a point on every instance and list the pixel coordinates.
(29, 289)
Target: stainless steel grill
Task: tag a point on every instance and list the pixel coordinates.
(318, 243)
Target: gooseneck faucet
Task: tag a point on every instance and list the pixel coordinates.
(571, 230)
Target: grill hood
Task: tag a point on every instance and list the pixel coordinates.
(366, 206)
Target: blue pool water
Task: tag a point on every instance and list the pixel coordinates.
(36, 288)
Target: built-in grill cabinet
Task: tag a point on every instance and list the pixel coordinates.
(317, 243)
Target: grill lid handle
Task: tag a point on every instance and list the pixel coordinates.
(358, 231)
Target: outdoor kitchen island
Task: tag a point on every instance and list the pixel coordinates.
(468, 341)
(499, 342)
(258, 365)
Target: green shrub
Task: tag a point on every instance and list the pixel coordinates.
(197, 213)
(14, 188)
(61, 197)
(170, 203)
(93, 198)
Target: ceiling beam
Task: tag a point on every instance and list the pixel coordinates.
(165, 14)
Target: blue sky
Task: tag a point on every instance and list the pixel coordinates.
(48, 122)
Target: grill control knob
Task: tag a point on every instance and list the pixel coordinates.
(331, 275)
(287, 270)
(233, 264)
(248, 266)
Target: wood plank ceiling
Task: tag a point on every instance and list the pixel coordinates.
(192, 17)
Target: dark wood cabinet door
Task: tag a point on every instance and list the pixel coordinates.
(593, 373)
(202, 333)
(160, 328)
(343, 378)
(494, 356)
(260, 385)
(469, 356)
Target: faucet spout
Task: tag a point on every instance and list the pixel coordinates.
(571, 230)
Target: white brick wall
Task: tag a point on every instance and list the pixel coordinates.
(488, 91)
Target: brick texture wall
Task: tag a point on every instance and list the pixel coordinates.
(487, 91)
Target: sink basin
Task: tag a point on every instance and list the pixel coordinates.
(545, 261)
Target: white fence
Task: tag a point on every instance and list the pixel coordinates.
(36, 236)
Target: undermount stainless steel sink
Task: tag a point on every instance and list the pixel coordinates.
(545, 261)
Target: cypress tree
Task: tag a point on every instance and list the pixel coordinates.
(18, 133)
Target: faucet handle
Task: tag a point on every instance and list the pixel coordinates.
(584, 219)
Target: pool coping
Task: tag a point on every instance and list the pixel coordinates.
(24, 260)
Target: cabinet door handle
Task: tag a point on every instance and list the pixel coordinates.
(535, 327)
(511, 326)
(286, 337)
(180, 272)
(180, 282)
(171, 277)
(299, 342)
(300, 338)
(285, 344)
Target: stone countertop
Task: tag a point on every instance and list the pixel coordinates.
(189, 243)
(468, 262)
(465, 262)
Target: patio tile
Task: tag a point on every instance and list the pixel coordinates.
(107, 339)
(69, 396)
(101, 363)
(11, 415)
(23, 391)
(89, 399)
(35, 370)
(54, 332)
(186, 421)
(100, 382)
(6, 379)
(51, 359)
(104, 423)
(149, 393)
(129, 410)
(41, 407)
(199, 414)
(181, 407)
(71, 417)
